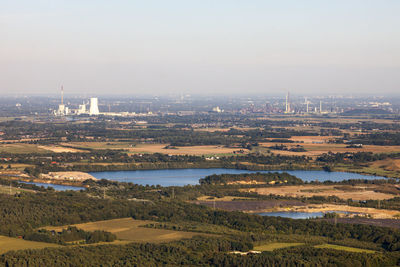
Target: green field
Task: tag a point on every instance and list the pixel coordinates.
(349, 249)
(9, 243)
(129, 229)
(5, 189)
(273, 246)
(21, 148)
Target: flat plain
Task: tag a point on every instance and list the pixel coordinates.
(129, 229)
(276, 245)
(10, 243)
(349, 249)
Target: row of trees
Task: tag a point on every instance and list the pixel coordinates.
(70, 234)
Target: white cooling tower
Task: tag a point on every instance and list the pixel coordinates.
(94, 109)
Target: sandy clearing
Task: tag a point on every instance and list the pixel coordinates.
(374, 213)
(60, 149)
(69, 176)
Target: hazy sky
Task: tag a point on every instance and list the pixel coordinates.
(200, 46)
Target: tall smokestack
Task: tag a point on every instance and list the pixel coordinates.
(62, 95)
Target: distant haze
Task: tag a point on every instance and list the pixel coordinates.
(200, 47)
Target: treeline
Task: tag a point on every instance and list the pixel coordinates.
(358, 157)
(275, 177)
(379, 139)
(119, 160)
(182, 135)
(198, 251)
(70, 234)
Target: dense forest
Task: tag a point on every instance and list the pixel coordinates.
(25, 212)
(193, 252)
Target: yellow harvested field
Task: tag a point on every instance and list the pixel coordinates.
(315, 149)
(276, 245)
(349, 249)
(186, 150)
(98, 145)
(312, 139)
(387, 164)
(357, 192)
(129, 229)
(156, 148)
(10, 243)
(60, 149)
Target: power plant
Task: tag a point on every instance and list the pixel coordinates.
(64, 110)
(94, 108)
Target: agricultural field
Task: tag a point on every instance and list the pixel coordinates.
(22, 148)
(6, 190)
(128, 229)
(349, 249)
(59, 149)
(186, 150)
(317, 149)
(152, 148)
(273, 246)
(10, 243)
(97, 145)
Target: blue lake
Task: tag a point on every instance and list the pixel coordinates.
(55, 186)
(181, 177)
(298, 215)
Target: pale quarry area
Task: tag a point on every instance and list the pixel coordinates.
(68, 176)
